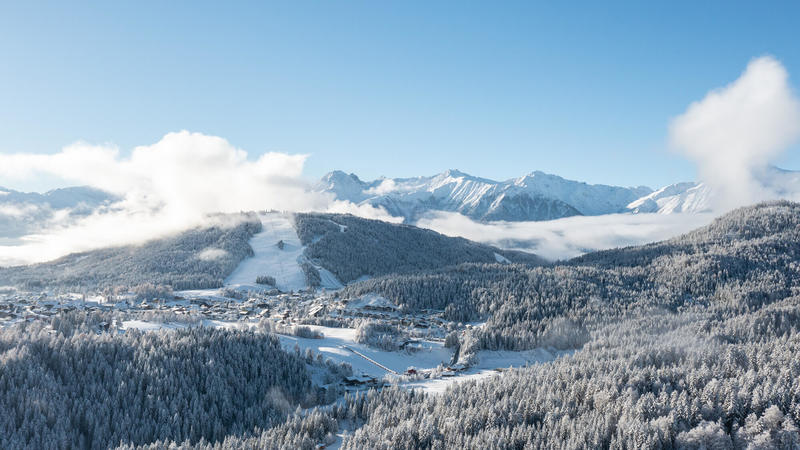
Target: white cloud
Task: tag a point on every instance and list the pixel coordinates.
(166, 187)
(387, 186)
(12, 210)
(211, 254)
(736, 131)
(362, 210)
(571, 236)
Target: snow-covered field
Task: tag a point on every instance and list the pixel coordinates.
(490, 363)
(338, 344)
(283, 264)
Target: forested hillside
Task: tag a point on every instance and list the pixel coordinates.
(698, 379)
(692, 342)
(743, 261)
(352, 247)
(696, 346)
(70, 386)
(195, 259)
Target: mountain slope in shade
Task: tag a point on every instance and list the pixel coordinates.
(537, 196)
(351, 247)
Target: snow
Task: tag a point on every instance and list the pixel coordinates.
(337, 342)
(440, 385)
(489, 362)
(501, 259)
(283, 264)
(459, 192)
(141, 325)
(339, 345)
(205, 294)
(675, 198)
(373, 301)
(328, 279)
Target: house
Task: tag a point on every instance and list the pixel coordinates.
(317, 311)
(359, 380)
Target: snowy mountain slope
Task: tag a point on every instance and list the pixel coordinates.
(352, 247)
(79, 197)
(537, 196)
(199, 258)
(700, 197)
(25, 212)
(589, 199)
(270, 259)
(675, 198)
(284, 262)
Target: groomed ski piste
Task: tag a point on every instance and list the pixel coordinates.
(284, 264)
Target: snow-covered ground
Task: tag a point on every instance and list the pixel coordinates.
(338, 344)
(283, 264)
(270, 260)
(208, 294)
(142, 325)
(488, 364)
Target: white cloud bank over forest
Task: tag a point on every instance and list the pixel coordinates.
(569, 237)
(165, 187)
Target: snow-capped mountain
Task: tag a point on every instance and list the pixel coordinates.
(765, 184)
(676, 198)
(536, 196)
(24, 212)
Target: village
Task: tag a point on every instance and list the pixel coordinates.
(315, 320)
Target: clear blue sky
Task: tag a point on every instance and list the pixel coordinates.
(497, 89)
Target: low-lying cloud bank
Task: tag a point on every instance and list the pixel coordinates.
(166, 187)
(571, 236)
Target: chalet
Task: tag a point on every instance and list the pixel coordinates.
(359, 380)
(317, 311)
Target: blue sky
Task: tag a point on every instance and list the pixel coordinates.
(583, 90)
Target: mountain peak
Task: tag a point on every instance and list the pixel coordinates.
(341, 176)
(536, 196)
(455, 173)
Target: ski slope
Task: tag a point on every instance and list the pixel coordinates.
(283, 264)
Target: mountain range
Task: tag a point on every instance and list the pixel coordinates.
(533, 197)
(537, 196)
(24, 212)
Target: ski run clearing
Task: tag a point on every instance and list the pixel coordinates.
(281, 261)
